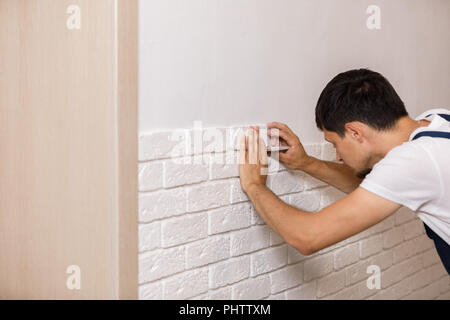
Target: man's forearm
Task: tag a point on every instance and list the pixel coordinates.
(289, 222)
(337, 175)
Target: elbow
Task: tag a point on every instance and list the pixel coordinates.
(304, 245)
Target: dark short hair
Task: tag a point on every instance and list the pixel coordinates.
(358, 95)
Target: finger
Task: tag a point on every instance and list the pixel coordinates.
(275, 133)
(263, 152)
(251, 146)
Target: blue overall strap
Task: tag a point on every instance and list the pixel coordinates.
(435, 134)
(442, 247)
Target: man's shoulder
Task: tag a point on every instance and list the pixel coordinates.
(430, 112)
(406, 155)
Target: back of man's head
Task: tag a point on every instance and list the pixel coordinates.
(359, 95)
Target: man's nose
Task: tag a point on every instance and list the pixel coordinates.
(338, 157)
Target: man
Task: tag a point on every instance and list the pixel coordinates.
(389, 161)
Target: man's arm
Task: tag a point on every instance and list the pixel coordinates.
(305, 231)
(311, 232)
(338, 175)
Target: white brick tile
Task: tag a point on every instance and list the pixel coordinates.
(401, 270)
(207, 251)
(150, 176)
(358, 271)
(401, 289)
(286, 278)
(230, 218)
(421, 278)
(294, 255)
(429, 292)
(219, 294)
(313, 183)
(307, 291)
(158, 145)
(187, 228)
(161, 204)
(306, 201)
(357, 291)
(313, 149)
(237, 195)
(186, 284)
(346, 256)
(287, 182)
(224, 165)
(248, 240)
(404, 251)
(228, 272)
(423, 243)
(183, 171)
(149, 236)
(413, 229)
(208, 195)
(328, 152)
(317, 267)
(444, 284)
(371, 246)
(331, 283)
(392, 237)
(330, 195)
(278, 296)
(404, 215)
(275, 165)
(252, 289)
(268, 259)
(160, 263)
(430, 257)
(151, 291)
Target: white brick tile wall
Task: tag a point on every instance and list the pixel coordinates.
(267, 260)
(249, 240)
(252, 288)
(209, 195)
(161, 204)
(233, 217)
(228, 272)
(286, 278)
(207, 251)
(151, 176)
(185, 171)
(201, 238)
(186, 284)
(149, 236)
(187, 228)
(318, 266)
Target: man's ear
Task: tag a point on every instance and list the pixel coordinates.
(355, 130)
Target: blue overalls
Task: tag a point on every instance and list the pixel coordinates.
(442, 247)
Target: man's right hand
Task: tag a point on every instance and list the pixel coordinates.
(296, 157)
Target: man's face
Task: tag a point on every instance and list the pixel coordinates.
(350, 151)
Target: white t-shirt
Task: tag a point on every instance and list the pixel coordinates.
(416, 174)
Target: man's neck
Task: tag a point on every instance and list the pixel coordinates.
(400, 134)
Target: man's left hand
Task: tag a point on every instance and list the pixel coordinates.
(253, 160)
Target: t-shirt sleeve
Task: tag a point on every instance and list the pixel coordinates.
(407, 175)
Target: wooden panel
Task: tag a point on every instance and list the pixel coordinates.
(68, 149)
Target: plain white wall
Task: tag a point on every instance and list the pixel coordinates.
(238, 62)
